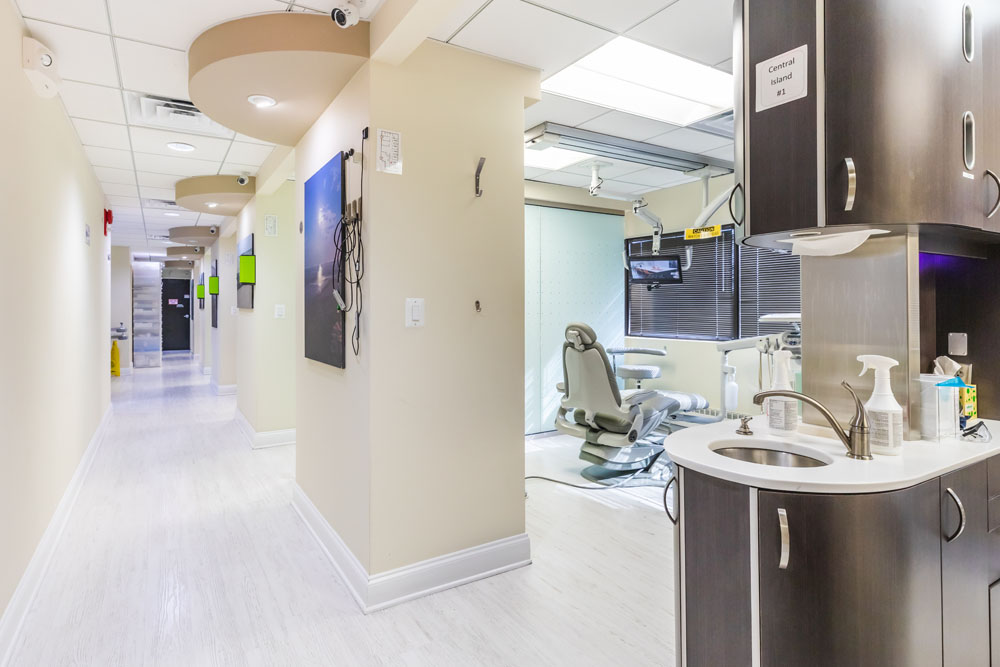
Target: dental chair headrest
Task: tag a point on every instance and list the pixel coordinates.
(580, 335)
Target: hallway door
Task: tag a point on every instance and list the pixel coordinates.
(176, 314)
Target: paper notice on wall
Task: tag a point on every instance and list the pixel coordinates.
(171, 302)
(390, 152)
(783, 79)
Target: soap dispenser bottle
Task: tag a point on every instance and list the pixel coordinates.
(885, 415)
(782, 412)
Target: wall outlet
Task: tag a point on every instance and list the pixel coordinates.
(279, 311)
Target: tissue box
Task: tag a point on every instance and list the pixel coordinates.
(968, 399)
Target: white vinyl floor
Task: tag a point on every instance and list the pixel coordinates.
(183, 550)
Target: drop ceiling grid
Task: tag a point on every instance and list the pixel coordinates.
(87, 28)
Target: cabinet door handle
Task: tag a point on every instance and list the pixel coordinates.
(785, 545)
(732, 195)
(968, 33)
(996, 206)
(852, 183)
(961, 516)
(969, 140)
(666, 507)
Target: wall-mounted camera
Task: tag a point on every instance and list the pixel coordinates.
(243, 179)
(347, 14)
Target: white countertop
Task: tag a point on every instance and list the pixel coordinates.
(919, 462)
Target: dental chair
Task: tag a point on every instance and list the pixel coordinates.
(616, 426)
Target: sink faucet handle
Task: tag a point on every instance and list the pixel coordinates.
(860, 416)
(744, 428)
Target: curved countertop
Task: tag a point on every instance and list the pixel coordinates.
(919, 462)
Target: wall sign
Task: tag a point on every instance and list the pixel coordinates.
(390, 152)
(698, 233)
(783, 79)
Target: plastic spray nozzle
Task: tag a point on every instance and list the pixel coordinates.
(879, 363)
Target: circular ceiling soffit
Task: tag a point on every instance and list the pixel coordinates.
(194, 236)
(178, 264)
(183, 251)
(218, 195)
(301, 61)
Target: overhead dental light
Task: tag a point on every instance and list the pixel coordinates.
(261, 101)
(646, 81)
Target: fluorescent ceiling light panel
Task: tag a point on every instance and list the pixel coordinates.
(552, 158)
(630, 76)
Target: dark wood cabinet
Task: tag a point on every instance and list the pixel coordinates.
(965, 567)
(859, 587)
(988, 14)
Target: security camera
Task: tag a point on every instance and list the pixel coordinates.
(242, 179)
(213, 230)
(347, 14)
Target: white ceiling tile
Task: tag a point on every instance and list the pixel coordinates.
(237, 169)
(125, 202)
(531, 173)
(250, 140)
(243, 153)
(128, 212)
(701, 30)
(158, 218)
(156, 193)
(622, 188)
(148, 140)
(692, 141)
(106, 135)
(618, 17)
(108, 175)
(209, 219)
(627, 126)
(120, 189)
(84, 100)
(609, 168)
(653, 176)
(726, 65)
(565, 178)
(153, 69)
(109, 157)
(177, 166)
(157, 180)
(86, 14)
(727, 152)
(80, 55)
(523, 33)
(465, 10)
(175, 24)
(562, 110)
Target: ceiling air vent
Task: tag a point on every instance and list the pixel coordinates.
(171, 114)
(721, 124)
(161, 204)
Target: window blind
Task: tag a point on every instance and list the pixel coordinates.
(704, 307)
(769, 283)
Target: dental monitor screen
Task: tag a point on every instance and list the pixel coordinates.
(656, 270)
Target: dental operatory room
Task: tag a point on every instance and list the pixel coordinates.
(500, 333)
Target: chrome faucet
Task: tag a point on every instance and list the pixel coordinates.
(856, 439)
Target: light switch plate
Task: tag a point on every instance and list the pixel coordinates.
(414, 313)
(279, 311)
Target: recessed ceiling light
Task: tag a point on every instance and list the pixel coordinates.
(211, 204)
(180, 146)
(630, 76)
(261, 101)
(552, 158)
(172, 215)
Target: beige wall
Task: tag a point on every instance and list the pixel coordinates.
(55, 369)
(121, 299)
(332, 457)
(266, 344)
(224, 336)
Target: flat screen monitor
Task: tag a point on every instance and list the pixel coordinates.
(656, 270)
(200, 291)
(248, 269)
(213, 284)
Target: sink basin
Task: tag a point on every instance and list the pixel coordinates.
(771, 453)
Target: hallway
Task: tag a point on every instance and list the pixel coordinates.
(183, 549)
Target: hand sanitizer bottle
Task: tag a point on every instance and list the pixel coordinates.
(782, 412)
(885, 415)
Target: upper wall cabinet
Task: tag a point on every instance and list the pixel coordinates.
(867, 113)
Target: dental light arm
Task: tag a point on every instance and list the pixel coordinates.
(714, 206)
(639, 210)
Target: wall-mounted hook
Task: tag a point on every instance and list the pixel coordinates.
(479, 171)
(479, 307)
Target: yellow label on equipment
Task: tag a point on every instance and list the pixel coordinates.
(697, 233)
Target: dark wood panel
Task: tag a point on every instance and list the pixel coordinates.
(861, 587)
(965, 576)
(897, 85)
(988, 18)
(993, 476)
(782, 154)
(717, 571)
(993, 514)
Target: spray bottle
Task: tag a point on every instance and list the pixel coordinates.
(782, 412)
(885, 415)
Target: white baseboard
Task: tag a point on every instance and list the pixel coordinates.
(223, 389)
(379, 591)
(12, 619)
(206, 370)
(264, 439)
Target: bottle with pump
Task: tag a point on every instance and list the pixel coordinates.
(782, 412)
(885, 415)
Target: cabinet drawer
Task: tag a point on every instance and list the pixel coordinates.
(993, 514)
(993, 476)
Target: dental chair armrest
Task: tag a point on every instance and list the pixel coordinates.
(651, 351)
(638, 396)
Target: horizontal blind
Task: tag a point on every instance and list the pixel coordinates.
(703, 307)
(769, 283)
